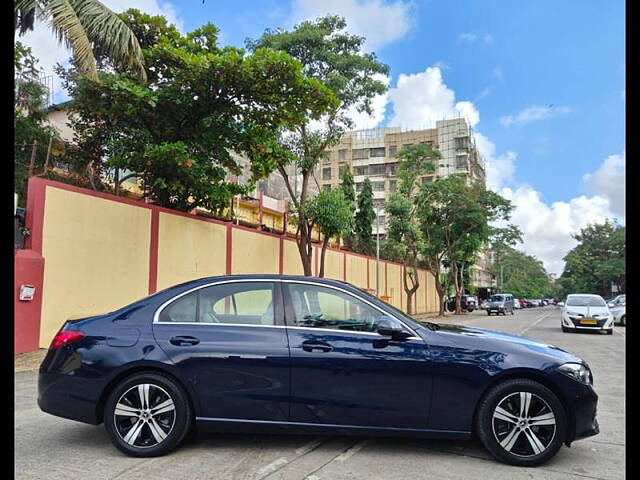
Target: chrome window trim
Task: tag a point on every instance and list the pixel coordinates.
(159, 310)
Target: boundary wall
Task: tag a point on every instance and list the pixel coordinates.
(91, 252)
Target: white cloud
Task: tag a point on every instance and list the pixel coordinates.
(379, 105)
(471, 38)
(533, 113)
(500, 169)
(378, 21)
(547, 229)
(420, 99)
(608, 181)
(47, 50)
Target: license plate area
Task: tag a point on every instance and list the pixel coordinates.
(588, 321)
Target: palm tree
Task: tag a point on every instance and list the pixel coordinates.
(81, 24)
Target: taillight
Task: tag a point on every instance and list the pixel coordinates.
(65, 337)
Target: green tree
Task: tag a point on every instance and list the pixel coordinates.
(364, 219)
(84, 25)
(332, 213)
(348, 190)
(598, 260)
(335, 58)
(176, 133)
(32, 134)
(456, 218)
(522, 275)
(405, 240)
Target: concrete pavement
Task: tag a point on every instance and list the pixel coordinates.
(51, 447)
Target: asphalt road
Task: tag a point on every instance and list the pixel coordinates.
(50, 447)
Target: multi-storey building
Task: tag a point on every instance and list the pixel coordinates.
(372, 154)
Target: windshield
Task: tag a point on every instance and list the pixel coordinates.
(584, 301)
(496, 298)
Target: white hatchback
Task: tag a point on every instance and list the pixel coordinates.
(587, 312)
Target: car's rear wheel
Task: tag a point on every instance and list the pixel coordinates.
(521, 422)
(147, 415)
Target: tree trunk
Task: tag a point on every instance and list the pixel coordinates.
(440, 292)
(456, 286)
(305, 248)
(325, 242)
(415, 281)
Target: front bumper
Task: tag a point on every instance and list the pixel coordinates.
(600, 324)
(581, 402)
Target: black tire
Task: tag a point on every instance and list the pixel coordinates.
(551, 437)
(565, 329)
(513, 311)
(610, 331)
(175, 423)
(488, 313)
(623, 320)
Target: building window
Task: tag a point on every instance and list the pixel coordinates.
(360, 170)
(341, 170)
(392, 185)
(405, 145)
(392, 168)
(460, 143)
(377, 152)
(377, 186)
(342, 155)
(461, 161)
(378, 203)
(392, 150)
(326, 157)
(427, 179)
(326, 173)
(360, 153)
(376, 169)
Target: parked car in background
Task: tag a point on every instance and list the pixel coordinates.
(516, 304)
(467, 302)
(501, 304)
(616, 301)
(259, 353)
(586, 312)
(619, 313)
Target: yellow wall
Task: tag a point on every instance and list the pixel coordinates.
(420, 294)
(357, 271)
(254, 252)
(292, 264)
(189, 249)
(96, 257)
(333, 264)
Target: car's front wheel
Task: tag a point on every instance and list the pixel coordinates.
(521, 422)
(147, 415)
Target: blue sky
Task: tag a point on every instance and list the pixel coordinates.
(542, 81)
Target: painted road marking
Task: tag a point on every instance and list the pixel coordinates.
(535, 323)
(344, 456)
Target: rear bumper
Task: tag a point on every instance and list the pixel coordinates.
(69, 396)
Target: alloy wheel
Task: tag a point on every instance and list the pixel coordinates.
(524, 424)
(144, 415)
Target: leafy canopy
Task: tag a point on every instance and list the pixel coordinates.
(202, 102)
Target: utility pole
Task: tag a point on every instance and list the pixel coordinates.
(377, 252)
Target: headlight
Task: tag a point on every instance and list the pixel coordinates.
(574, 314)
(577, 371)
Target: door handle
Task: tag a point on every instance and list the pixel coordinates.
(312, 346)
(184, 341)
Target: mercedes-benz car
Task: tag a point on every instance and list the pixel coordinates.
(273, 353)
(583, 311)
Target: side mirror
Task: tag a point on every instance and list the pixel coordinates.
(388, 327)
(561, 304)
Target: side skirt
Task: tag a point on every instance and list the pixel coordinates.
(267, 426)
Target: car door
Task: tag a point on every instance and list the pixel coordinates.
(342, 371)
(229, 341)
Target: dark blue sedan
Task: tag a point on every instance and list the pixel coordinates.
(292, 354)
